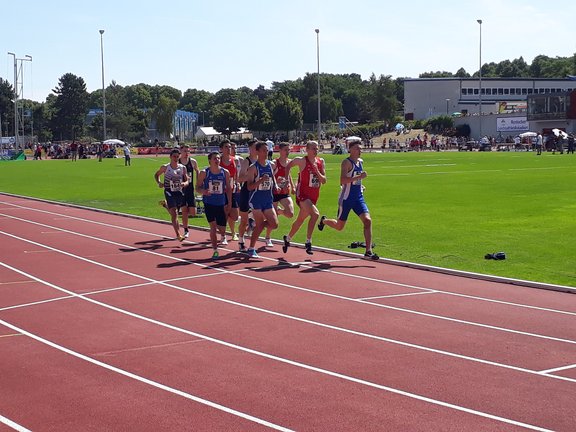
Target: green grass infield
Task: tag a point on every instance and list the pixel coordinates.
(444, 209)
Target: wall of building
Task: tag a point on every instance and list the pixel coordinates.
(427, 97)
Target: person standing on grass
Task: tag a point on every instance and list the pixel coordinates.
(282, 200)
(270, 146)
(311, 176)
(571, 144)
(214, 183)
(74, 151)
(228, 161)
(175, 180)
(539, 144)
(261, 184)
(352, 196)
(126, 150)
(189, 205)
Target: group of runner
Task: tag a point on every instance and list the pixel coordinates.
(257, 190)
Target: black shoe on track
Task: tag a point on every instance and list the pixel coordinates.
(321, 224)
(286, 244)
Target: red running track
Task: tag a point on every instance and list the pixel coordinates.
(108, 324)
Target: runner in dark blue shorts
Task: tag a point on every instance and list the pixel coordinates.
(175, 180)
(352, 196)
(215, 185)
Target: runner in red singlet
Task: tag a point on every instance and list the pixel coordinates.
(312, 175)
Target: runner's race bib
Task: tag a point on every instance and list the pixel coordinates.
(314, 181)
(282, 182)
(265, 185)
(216, 187)
(175, 186)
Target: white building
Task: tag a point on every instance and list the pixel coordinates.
(208, 133)
(502, 101)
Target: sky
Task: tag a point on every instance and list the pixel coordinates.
(211, 45)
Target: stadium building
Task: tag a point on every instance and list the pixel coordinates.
(509, 106)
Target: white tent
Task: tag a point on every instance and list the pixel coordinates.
(114, 142)
(206, 132)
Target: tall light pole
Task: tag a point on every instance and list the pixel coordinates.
(28, 58)
(15, 99)
(447, 102)
(480, 82)
(103, 87)
(16, 95)
(318, 61)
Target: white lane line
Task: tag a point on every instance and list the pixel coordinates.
(520, 305)
(146, 380)
(327, 261)
(558, 369)
(273, 313)
(298, 288)
(15, 282)
(105, 290)
(144, 348)
(260, 354)
(396, 295)
(13, 425)
(23, 305)
(275, 283)
(537, 168)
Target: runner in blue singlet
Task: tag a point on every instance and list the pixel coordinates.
(352, 196)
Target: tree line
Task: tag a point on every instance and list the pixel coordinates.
(283, 107)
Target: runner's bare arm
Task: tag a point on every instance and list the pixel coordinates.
(242, 174)
(345, 168)
(320, 172)
(251, 178)
(229, 189)
(157, 175)
(200, 184)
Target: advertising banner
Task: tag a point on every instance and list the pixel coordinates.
(512, 124)
(512, 107)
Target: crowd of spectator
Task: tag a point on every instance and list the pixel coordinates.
(70, 150)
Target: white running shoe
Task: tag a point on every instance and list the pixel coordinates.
(186, 233)
(235, 237)
(269, 243)
(224, 241)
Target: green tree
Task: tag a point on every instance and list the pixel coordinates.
(261, 92)
(228, 119)
(461, 73)
(196, 101)
(286, 112)
(226, 95)
(118, 117)
(383, 98)
(157, 92)
(437, 74)
(164, 115)
(70, 107)
(139, 96)
(260, 118)
(6, 107)
(330, 108)
(294, 88)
